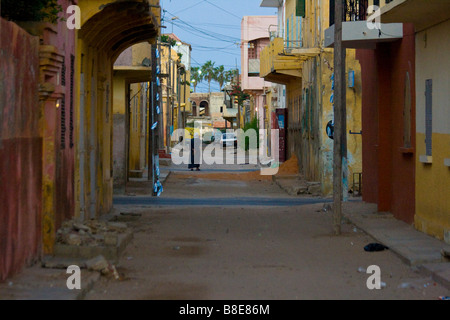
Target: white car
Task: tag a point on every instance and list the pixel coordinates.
(229, 139)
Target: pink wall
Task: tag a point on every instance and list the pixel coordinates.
(254, 28)
(20, 150)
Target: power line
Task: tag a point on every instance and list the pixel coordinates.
(230, 13)
(209, 34)
(213, 35)
(194, 5)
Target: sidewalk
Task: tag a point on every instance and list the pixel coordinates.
(414, 248)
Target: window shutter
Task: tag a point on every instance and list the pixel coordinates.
(63, 122)
(300, 8)
(428, 116)
(71, 101)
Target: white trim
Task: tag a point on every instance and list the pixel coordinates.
(447, 162)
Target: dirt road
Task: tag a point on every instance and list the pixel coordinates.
(250, 252)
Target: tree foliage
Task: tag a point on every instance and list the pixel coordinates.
(196, 77)
(35, 10)
(209, 72)
(238, 93)
(166, 39)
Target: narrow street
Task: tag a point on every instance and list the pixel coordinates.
(186, 246)
(203, 150)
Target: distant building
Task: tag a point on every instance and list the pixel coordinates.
(255, 36)
(297, 58)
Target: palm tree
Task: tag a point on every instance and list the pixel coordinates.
(196, 76)
(208, 72)
(230, 75)
(220, 76)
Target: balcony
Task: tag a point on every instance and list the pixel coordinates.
(278, 66)
(357, 32)
(253, 67)
(423, 13)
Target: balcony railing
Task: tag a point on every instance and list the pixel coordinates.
(354, 10)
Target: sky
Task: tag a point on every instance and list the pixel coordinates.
(212, 28)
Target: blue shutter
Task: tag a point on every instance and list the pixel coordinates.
(428, 116)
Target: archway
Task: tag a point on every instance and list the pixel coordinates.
(204, 109)
(106, 31)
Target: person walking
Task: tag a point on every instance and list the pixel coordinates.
(196, 145)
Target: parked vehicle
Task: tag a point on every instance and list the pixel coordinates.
(229, 139)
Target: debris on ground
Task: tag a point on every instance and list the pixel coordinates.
(100, 264)
(90, 233)
(373, 247)
(445, 253)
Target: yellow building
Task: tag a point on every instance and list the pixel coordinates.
(107, 29)
(175, 82)
(169, 84)
(431, 21)
(298, 59)
(132, 74)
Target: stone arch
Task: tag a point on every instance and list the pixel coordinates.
(204, 109)
(106, 31)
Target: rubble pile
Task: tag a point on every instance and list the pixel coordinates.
(90, 233)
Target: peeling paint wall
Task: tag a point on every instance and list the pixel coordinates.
(388, 163)
(106, 31)
(317, 104)
(20, 150)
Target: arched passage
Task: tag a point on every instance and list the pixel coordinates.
(204, 109)
(106, 31)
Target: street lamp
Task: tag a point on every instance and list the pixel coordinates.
(173, 19)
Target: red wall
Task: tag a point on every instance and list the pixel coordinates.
(388, 172)
(65, 157)
(20, 150)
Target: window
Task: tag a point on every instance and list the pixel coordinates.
(300, 8)
(407, 113)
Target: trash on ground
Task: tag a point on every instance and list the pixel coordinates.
(133, 214)
(372, 247)
(445, 253)
(100, 264)
(405, 285)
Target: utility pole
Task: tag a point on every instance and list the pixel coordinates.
(169, 98)
(339, 151)
(153, 117)
(184, 100)
(178, 95)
